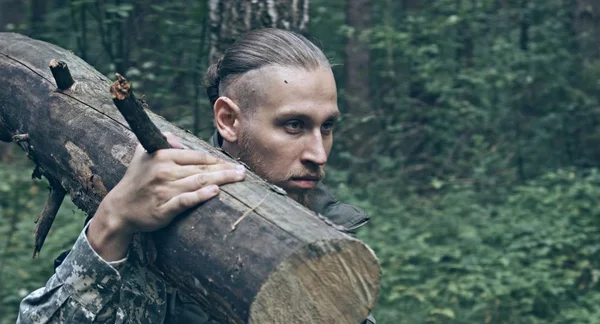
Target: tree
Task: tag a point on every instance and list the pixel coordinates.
(38, 12)
(229, 19)
(357, 67)
(12, 14)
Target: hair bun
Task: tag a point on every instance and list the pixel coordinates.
(213, 94)
(212, 80)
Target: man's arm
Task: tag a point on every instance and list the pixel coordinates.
(156, 188)
(81, 291)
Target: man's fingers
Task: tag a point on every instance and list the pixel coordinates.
(186, 157)
(139, 149)
(204, 179)
(187, 200)
(185, 171)
(173, 140)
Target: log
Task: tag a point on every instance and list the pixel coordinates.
(249, 255)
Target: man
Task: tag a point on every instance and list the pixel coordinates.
(275, 104)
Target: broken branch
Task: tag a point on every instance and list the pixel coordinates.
(133, 110)
(44, 221)
(61, 74)
(20, 138)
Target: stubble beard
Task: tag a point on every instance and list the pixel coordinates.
(256, 163)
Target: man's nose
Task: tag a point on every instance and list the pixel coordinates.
(314, 151)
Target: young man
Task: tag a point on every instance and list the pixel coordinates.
(275, 104)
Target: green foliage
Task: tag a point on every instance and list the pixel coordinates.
(456, 258)
(482, 185)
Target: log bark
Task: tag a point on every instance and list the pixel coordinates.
(281, 264)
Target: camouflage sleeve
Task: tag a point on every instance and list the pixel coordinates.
(84, 289)
(370, 320)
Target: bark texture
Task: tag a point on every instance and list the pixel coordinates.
(357, 68)
(281, 264)
(230, 19)
(358, 57)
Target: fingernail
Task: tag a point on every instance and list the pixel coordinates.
(241, 168)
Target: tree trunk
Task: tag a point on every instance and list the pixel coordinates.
(38, 11)
(229, 19)
(357, 90)
(12, 12)
(11, 17)
(525, 102)
(281, 263)
(587, 26)
(356, 64)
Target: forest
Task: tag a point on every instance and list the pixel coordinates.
(467, 134)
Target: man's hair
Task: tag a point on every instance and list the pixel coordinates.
(260, 48)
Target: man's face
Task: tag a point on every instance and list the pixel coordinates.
(288, 137)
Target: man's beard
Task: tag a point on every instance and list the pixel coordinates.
(256, 163)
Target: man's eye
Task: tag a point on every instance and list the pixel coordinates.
(328, 126)
(293, 125)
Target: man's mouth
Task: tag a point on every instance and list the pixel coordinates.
(306, 182)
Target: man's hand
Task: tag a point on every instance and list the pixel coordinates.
(156, 188)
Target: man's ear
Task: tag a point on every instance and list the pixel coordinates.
(227, 118)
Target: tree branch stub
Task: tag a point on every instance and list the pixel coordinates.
(61, 74)
(133, 110)
(20, 138)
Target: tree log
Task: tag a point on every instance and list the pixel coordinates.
(281, 264)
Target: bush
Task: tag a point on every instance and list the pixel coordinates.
(530, 256)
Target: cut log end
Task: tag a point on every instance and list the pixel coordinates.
(120, 89)
(337, 287)
(61, 74)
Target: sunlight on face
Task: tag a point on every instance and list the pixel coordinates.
(289, 136)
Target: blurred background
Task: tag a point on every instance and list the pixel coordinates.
(470, 134)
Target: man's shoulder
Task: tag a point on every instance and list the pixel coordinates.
(350, 217)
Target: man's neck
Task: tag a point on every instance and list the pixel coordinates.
(231, 149)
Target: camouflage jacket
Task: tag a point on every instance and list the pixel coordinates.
(87, 289)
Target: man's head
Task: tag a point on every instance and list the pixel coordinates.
(275, 104)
